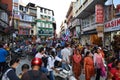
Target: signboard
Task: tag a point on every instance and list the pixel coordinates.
(99, 12)
(118, 8)
(112, 25)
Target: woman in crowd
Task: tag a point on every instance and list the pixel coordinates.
(98, 62)
(115, 72)
(77, 64)
(88, 66)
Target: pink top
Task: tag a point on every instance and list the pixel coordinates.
(98, 60)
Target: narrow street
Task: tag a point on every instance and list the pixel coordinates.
(26, 61)
(23, 61)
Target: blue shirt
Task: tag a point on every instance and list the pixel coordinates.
(3, 54)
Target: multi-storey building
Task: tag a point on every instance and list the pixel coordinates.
(92, 17)
(69, 17)
(27, 19)
(112, 23)
(44, 22)
(15, 15)
(63, 28)
(5, 10)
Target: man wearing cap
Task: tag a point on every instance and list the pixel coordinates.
(35, 73)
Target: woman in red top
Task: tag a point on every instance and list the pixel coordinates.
(76, 64)
(115, 72)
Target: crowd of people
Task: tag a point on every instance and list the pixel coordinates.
(90, 60)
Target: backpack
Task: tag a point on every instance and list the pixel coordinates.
(45, 61)
(5, 77)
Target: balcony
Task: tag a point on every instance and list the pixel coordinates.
(88, 8)
(32, 12)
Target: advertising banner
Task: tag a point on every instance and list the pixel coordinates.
(99, 13)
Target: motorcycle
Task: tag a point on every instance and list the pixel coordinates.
(64, 73)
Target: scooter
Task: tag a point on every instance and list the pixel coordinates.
(64, 73)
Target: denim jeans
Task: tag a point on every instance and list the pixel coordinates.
(44, 70)
(51, 76)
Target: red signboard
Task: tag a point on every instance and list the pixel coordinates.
(99, 12)
(118, 8)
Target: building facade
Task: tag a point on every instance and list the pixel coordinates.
(27, 20)
(63, 29)
(91, 15)
(44, 22)
(112, 23)
(5, 11)
(69, 17)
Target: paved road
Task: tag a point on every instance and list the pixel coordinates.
(23, 61)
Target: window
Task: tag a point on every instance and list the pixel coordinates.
(53, 19)
(48, 25)
(41, 24)
(41, 10)
(21, 7)
(45, 11)
(49, 17)
(41, 16)
(49, 12)
(45, 25)
(22, 16)
(4, 16)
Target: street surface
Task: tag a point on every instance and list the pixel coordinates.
(26, 61)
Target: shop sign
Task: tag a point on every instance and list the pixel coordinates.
(112, 25)
(99, 12)
(118, 8)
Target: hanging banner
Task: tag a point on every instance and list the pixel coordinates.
(99, 12)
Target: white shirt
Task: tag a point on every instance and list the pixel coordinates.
(71, 50)
(39, 55)
(65, 54)
(51, 61)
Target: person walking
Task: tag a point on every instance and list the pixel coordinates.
(51, 64)
(35, 73)
(98, 62)
(41, 54)
(65, 55)
(10, 73)
(3, 55)
(88, 66)
(77, 64)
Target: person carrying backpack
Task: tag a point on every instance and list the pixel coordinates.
(35, 73)
(10, 73)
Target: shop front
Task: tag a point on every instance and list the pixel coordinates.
(91, 37)
(111, 29)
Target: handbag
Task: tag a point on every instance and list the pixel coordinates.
(103, 72)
